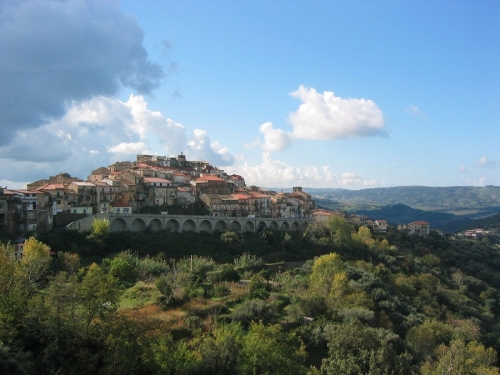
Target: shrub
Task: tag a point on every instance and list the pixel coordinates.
(253, 310)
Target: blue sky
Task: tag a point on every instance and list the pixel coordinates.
(350, 94)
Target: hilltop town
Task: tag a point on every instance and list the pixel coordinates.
(150, 184)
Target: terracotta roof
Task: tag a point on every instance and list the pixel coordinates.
(28, 191)
(209, 178)
(241, 196)
(51, 187)
(322, 213)
(8, 192)
(420, 223)
(259, 195)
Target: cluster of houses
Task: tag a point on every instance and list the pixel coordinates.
(159, 181)
(127, 187)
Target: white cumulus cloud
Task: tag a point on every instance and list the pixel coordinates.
(202, 149)
(276, 173)
(485, 163)
(480, 182)
(326, 116)
(130, 150)
(99, 132)
(274, 139)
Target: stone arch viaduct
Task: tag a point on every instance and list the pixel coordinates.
(185, 223)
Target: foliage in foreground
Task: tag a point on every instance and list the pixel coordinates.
(361, 304)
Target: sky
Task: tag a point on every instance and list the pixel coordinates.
(324, 94)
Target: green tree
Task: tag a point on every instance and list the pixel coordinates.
(169, 356)
(99, 294)
(328, 275)
(232, 239)
(354, 349)
(258, 288)
(340, 231)
(426, 337)
(35, 261)
(268, 350)
(363, 235)
(462, 359)
(100, 228)
(220, 350)
(68, 262)
(14, 292)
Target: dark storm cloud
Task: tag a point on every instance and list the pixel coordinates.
(53, 52)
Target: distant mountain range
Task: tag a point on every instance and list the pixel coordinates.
(450, 209)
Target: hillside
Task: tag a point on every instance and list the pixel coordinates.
(401, 213)
(393, 304)
(462, 200)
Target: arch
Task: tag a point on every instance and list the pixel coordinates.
(173, 226)
(235, 226)
(189, 226)
(273, 225)
(118, 225)
(220, 226)
(249, 227)
(138, 225)
(155, 225)
(295, 226)
(205, 226)
(285, 226)
(304, 225)
(262, 225)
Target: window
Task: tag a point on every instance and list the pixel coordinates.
(117, 210)
(125, 210)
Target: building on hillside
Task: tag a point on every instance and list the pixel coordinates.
(62, 178)
(160, 192)
(243, 208)
(38, 207)
(297, 204)
(259, 204)
(421, 228)
(380, 225)
(360, 220)
(211, 185)
(99, 174)
(181, 178)
(184, 196)
(12, 213)
(120, 166)
(86, 197)
(107, 191)
(476, 234)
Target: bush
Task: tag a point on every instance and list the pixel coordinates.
(253, 310)
(121, 269)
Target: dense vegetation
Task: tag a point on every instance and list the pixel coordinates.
(350, 303)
